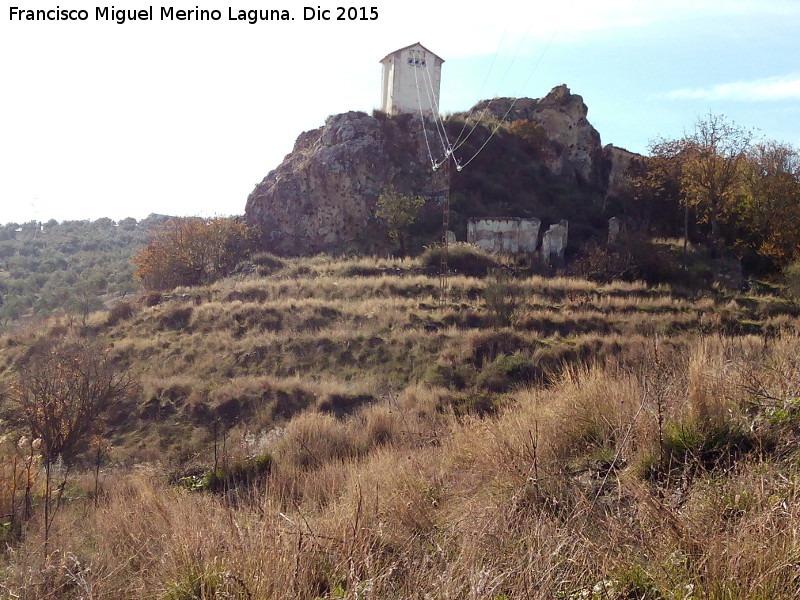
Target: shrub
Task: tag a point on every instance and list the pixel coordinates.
(631, 257)
(505, 371)
(473, 402)
(242, 472)
(152, 299)
(791, 276)
(501, 297)
(267, 263)
(120, 312)
(312, 439)
(176, 318)
(462, 258)
(191, 251)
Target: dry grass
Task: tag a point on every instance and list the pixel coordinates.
(561, 493)
(614, 442)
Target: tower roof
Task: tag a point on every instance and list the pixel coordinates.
(410, 46)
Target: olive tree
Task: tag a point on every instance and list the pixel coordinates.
(398, 212)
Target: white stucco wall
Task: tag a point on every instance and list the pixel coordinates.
(509, 235)
(411, 80)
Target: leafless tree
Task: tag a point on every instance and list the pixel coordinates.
(62, 390)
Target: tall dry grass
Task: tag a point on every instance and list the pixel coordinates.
(655, 478)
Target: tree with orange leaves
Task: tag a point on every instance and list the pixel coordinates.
(192, 251)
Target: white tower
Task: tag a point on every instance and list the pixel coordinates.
(410, 82)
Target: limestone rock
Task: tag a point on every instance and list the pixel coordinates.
(563, 116)
(621, 163)
(322, 197)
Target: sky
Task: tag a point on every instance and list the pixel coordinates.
(100, 119)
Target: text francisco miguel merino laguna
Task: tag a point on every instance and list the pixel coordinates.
(170, 13)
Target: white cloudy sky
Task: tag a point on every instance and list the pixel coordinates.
(99, 119)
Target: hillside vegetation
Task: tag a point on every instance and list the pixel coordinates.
(68, 268)
(332, 428)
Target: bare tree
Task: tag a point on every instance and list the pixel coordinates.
(62, 390)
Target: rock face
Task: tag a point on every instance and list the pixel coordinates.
(621, 162)
(322, 197)
(562, 115)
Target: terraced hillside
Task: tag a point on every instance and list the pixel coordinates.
(331, 335)
(329, 428)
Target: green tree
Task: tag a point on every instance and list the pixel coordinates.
(398, 212)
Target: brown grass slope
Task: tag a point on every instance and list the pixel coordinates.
(594, 441)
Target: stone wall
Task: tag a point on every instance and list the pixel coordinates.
(554, 242)
(504, 234)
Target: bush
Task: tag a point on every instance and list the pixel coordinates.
(632, 257)
(191, 251)
(462, 258)
(267, 263)
(476, 403)
(501, 297)
(121, 312)
(791, 276)
(242, 472)
(505, 371)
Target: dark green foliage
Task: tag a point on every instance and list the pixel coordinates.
(506, 371)
(66, 268)
(463, 259)
(705, 443)
(342, 404)
(242, 472)
(449, 375)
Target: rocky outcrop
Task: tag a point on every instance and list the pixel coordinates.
(621, 163)
(563, 116)
(322, 197)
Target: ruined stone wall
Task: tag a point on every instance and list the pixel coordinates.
(504, 234)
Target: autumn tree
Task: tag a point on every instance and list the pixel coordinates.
(398, 212)
(192, 251)
(769, 208)
(705, 169)
(711, 177)
(61, 391)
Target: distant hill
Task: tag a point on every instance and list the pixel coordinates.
(71, 267)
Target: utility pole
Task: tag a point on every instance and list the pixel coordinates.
(444, 271)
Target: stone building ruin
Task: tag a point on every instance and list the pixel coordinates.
(554, 242)
(504, 234)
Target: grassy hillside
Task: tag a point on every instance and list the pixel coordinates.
(67, 268)
(329, 428)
